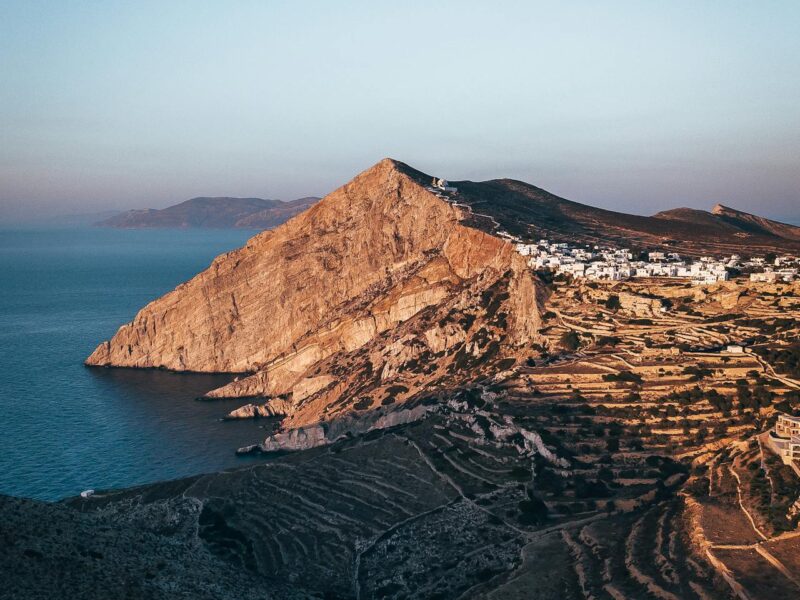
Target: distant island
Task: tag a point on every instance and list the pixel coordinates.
(212, 212)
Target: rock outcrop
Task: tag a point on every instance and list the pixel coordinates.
(640, 306)
(374, 294)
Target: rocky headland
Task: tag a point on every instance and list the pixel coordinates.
(453, 424)
(364, 300)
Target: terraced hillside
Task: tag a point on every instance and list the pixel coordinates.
(625, 461)
(454, 425)
(442, 508)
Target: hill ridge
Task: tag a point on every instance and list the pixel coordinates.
(213, 212)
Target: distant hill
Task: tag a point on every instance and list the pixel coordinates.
(276, 215)
(754, 223)
(737, 221)
(531, 212)
(217, 212)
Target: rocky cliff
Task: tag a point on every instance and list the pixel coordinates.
(370, 297)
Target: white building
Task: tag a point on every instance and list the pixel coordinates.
(784, 438)
(441, 184)
(764, 277)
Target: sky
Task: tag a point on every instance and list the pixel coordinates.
(634, 106)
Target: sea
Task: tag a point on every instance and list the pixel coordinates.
(64, 427)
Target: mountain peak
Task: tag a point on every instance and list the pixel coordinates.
(380, 262)
(389, 165)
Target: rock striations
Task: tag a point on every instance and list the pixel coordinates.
(376, 294)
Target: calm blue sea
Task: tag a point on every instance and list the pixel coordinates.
(65, 428)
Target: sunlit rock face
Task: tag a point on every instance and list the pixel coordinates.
(380, 285)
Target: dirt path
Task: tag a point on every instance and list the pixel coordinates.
(769, 370)
(741, 504)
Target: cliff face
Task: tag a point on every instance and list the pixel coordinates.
(753, 223)
(379, 275)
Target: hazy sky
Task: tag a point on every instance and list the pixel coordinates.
(635, 106)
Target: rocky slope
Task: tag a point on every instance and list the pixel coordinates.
(384, 290)
(470, 495)
(369, 297)
(254, 213)
(388, 326)
(750, 222)
(533, 213)
(737, 222)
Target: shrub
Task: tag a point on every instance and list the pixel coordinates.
(612, 303)
(363, 403)
(571, 341)
(533, 511)
(608, 340)
(623, 376)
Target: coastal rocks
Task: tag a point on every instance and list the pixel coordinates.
(274, 408)
(312, 436)
(302, 438)
(246, 387)
(469, 408)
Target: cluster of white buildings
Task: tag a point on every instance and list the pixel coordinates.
(618, 263)
(784, 438)
(783, 268)
(441, 185)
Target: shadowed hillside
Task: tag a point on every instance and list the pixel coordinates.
(532, 213)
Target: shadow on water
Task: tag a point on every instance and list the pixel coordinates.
(155, 386)
(166, 405)
(66, 428)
